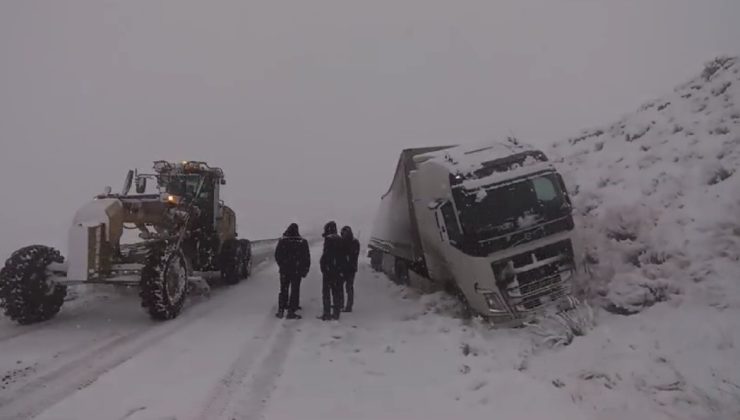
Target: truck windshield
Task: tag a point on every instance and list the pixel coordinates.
(498, 210)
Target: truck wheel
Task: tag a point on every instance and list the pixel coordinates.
(245, 259)
(401, 272)
(376, 261)
(26, 292)
(229, 262)
(466, 312)
(164, 283)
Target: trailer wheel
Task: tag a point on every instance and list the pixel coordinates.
(164, 283)
(26, 293)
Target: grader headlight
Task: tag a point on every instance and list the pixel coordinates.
(172, 199)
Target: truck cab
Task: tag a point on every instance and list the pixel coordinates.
(492, 223)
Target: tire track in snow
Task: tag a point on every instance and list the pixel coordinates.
(71, 316)
(224, 391)
(263, 382)
(41, 393)
(271, 356)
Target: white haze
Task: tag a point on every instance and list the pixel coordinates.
(306, 104)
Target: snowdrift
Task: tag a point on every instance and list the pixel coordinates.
(658, 196)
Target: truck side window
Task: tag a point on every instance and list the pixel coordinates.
(544, 189)
(453, 229)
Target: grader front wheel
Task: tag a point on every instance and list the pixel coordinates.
(164, 283)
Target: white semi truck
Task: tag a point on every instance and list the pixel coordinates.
(491, 224)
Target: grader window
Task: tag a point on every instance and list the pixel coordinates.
(183, 185)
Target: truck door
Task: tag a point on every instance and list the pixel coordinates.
(449, 228)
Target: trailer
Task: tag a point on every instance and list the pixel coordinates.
(491, 224)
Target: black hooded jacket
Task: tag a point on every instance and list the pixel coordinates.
(331, 258)
(351, 250)
(291, 253)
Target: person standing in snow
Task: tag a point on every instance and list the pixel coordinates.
(331, 291)
(350, 255)
(293, 260)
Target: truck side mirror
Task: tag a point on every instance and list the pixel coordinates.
(223, 181)
(140, 185)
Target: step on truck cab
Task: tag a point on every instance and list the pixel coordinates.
(491, 223)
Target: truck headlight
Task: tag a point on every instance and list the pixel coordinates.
(494, 302)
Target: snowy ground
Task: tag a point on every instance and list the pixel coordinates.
(399, 355)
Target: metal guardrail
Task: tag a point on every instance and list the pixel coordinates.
(264, 241)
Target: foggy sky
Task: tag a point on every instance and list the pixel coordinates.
(306, 104)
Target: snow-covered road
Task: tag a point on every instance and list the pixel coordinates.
(102, 358)
(400, 355)
(227, 357)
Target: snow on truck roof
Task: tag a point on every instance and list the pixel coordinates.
(481, 164)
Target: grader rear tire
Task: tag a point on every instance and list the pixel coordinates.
(26, 293)
(229, 262)
(245, 259)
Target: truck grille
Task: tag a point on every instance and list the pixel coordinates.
(541, 283)
(486, 246)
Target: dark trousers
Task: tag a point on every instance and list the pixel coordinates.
(349, 286)
(331, 293)
(290, 286)
(297, 292)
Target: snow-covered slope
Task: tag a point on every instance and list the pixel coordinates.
(659, 196)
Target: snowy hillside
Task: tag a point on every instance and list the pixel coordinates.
(658, 196)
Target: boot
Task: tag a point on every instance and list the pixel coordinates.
(335, 315)
(347, 309)
(280, 313)
(325, 317)
(293, 315)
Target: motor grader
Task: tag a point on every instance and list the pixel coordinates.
(186, 234)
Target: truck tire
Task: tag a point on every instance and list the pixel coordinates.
(376, 261)
(229, 262)
(26, 293)
(401, 272)
(465, 312)
(245, 259)
(164, 283)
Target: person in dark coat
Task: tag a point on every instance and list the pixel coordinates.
(351, 253)
(294, 261)
(331, 290)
